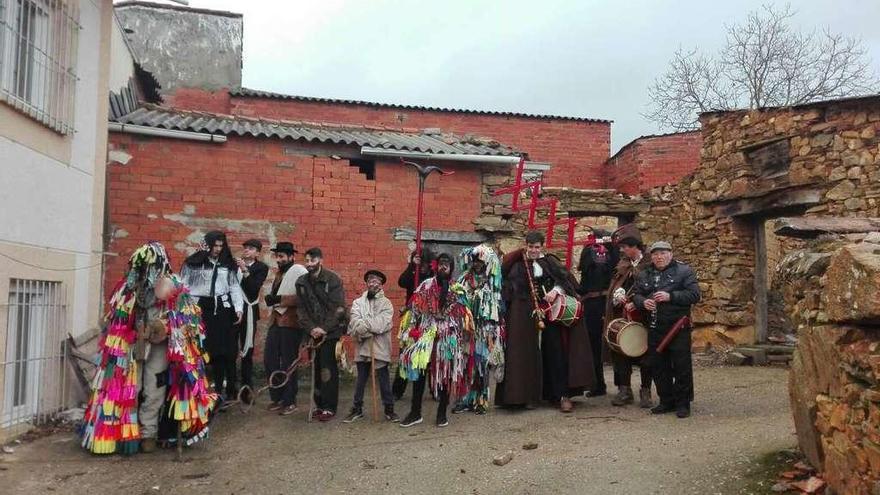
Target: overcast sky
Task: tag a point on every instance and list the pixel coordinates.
(576, 58)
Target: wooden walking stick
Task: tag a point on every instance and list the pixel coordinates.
(312, 405)
(373, 396)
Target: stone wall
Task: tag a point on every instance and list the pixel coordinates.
(831, 297)
(815, 160)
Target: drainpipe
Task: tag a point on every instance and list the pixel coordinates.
(161, 132)
(509, 160)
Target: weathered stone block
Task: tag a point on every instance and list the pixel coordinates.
(852, 291)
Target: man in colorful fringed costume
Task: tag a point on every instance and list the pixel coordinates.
(437, 341)
(153, 338)
(481, 281)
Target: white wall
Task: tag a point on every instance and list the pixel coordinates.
(48, 204)
(121, 61)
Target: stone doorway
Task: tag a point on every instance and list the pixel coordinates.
(771, 321)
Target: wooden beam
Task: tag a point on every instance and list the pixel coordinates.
(768, 203)
(812, 227)
(761, 304)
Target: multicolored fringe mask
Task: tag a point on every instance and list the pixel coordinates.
(483, 296)
(437, 338)
(110, 424)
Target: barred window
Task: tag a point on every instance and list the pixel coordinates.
(38, 40)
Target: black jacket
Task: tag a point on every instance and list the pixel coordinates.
(322, 303)
(252, 284)
(407, 279)
(679, 280)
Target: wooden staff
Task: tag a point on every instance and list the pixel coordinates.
(667, 339)
(373, 395)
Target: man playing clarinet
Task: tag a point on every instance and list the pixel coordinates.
(665, 291)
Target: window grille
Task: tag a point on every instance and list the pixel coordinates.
(38, 41)
(34, 376)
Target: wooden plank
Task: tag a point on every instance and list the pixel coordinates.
(768, 203)
(810, 228)
(761, 305)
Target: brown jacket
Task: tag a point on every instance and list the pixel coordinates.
(284, 314)
(624, 276)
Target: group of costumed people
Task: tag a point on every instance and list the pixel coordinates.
(523, 321)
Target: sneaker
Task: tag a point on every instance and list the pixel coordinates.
(645, 398)
(225, 406)
(411, 420)
(354, 415)
(662, 409)
(442, 421)
(682, 412)
(275, 406)
(288, 410)
(599, 392)
(325, 416)
(624, 396)
(460, 408)
(392, 417)
(480, 410)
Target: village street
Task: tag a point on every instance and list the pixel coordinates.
(740, 414)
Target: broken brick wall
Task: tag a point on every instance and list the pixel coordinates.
(575, 148)
(652, 161)
(830, 293)
(174, 191)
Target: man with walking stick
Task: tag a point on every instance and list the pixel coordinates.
(370, 328)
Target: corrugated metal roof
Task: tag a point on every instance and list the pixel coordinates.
(256, 93)
(424, 142)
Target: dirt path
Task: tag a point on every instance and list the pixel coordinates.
(740, 414)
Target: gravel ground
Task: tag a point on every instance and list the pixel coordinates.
(740, 414)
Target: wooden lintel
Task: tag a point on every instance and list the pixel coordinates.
(774, 201)
(812, 227)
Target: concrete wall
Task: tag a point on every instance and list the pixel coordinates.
(185, 47)
(121, 59)
(52, 202)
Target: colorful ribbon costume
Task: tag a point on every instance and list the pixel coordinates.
(110, 424)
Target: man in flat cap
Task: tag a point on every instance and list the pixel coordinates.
(253, 273)
(666, 290)
(370, 327)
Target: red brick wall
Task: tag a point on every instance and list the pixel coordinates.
(654, 161)
(249, 187)
(577, 150)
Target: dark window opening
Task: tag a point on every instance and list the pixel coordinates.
(365, 167)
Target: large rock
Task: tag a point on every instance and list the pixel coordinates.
(852, 287)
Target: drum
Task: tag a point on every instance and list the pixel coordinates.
(629, 338)
(565, 310)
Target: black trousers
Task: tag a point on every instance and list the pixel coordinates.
(419, 391)
(623, 368)
(282, 347)
(555, 363)
(223, 371)
(384, 381)
(672, 369)
(326, 377)
(247, 361)
(594, 318)
(220, 344)
(399, 386)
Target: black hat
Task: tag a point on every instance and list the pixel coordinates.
(376, 273)
(284, 247)
(254, 243)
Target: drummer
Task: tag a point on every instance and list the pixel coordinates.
(632, 261)
(563, 365)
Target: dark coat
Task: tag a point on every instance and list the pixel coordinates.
(321, 303)
(253, 283)
(523, 374)
(679, 280)
(625, 275)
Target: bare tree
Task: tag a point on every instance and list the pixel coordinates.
(764, 63)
